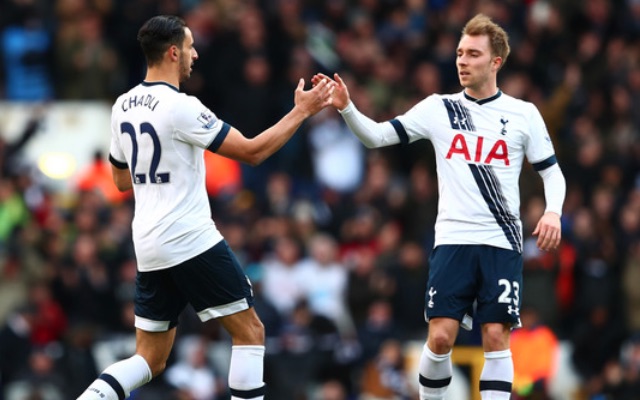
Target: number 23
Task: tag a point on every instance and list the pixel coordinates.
(506, 296)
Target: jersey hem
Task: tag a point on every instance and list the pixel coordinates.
(442, 242)
(178, 261)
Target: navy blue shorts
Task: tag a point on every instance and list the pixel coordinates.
(212, 282)
(460, 275)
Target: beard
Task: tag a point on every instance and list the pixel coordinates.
(185, 70)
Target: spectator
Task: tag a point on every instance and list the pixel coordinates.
(324, 280)
(331, 390)
(88, 65)
(26, 45)
(97, 176)
(308, 343)
(13, 211)
(42, 381)
(366, 283)
(51, 321)
(409, 275)
(597, 341)
(535, 350)
(77, 362)
(385, 377)
(15, 344)
(631, 291)
(282, 275)
(378, 328)
(192, 373)
(337, 157)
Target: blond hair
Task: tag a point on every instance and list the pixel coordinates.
(498, 39)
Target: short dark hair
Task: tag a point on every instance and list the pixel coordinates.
(158, 34)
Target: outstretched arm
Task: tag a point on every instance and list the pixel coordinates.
(255, 150)
(372, 134)
(340, 98)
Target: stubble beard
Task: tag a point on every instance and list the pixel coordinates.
(185, 71)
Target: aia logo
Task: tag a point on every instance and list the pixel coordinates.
(498, 152)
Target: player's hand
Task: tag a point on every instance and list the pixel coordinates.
(314, 100)
(548, 231)
(340, 97)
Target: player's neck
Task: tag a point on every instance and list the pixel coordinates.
(481, 93)
(160, 74)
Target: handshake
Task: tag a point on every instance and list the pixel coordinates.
(339, 94)
(325, 92)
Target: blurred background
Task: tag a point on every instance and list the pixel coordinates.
(335, 238)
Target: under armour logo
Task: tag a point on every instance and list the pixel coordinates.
(460, 121)
(513, 310)
(504, 125)
(432, 293)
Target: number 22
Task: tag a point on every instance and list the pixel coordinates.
(154, 176)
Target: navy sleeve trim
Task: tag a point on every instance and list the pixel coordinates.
(402, 133)
(213, 147)
(118, 164)
(544, 164)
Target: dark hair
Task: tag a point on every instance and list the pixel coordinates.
(158, 34)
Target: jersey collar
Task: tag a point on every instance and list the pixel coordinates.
(145, 83)
(482, 101)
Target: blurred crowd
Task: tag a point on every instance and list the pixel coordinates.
(334, 237)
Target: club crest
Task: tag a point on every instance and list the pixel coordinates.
(504, 122)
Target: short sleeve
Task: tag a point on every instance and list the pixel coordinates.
(196, 124)
(539, 145)
(116, 155)
(417, 121)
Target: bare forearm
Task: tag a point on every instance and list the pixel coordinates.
(122, 179)
(256, 150)
(272, 139)
(123, 186)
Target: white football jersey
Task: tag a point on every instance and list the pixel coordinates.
(480, 146)
(160, 135)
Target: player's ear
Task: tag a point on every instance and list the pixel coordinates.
(173, 53)
(497, 63)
